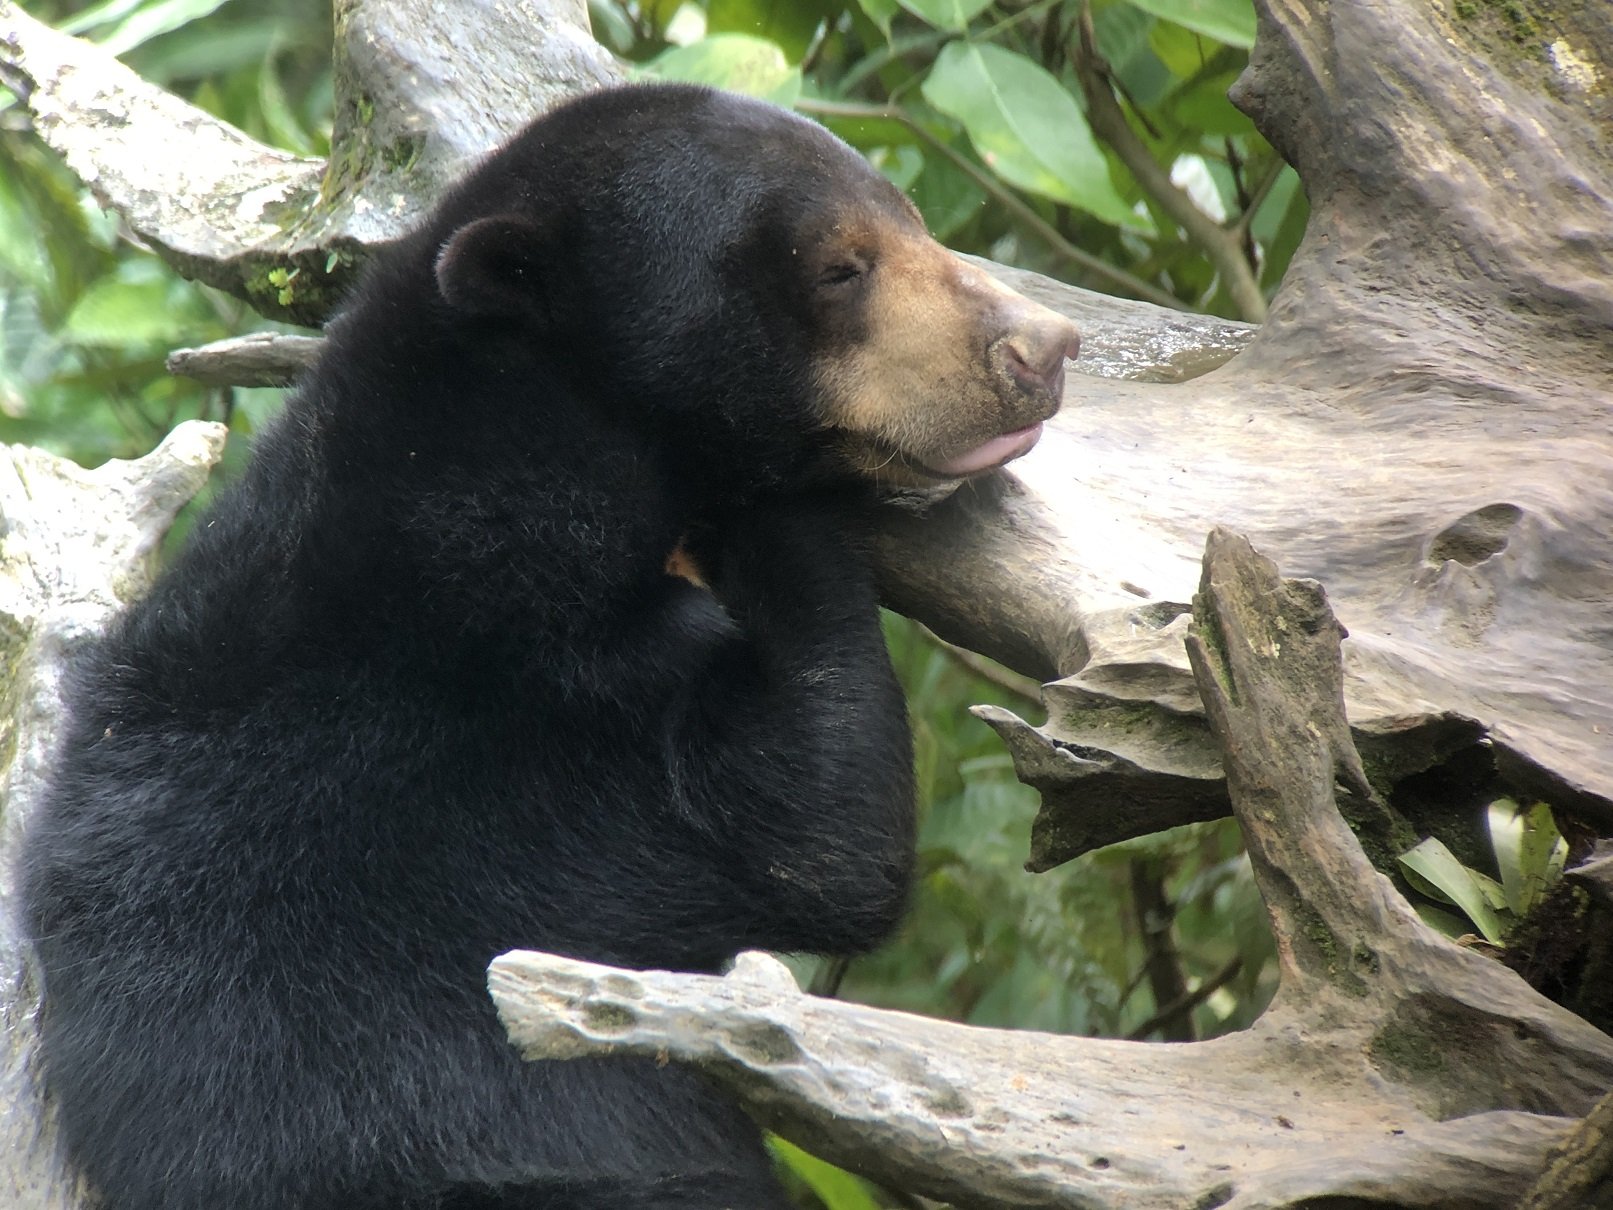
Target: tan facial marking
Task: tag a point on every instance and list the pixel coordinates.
(950, 359)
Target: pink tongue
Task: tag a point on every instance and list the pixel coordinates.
(993, 453)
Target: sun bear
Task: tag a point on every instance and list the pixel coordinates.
(538, 619)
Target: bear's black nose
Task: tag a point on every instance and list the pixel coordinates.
(1035, 355)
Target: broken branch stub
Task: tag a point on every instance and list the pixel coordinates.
(1266, 658)
(1393, 1066)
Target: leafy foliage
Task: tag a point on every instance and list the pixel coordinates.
(1529, 857)
(87, 316)
(1025, 126)
(979, 110)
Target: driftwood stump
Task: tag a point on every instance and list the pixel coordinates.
(1422, 425)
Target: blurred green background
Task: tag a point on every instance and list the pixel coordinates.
(1091, 142)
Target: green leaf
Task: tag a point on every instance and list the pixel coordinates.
(837, 1190)
(737, 62)
(195, 53)
(1437, 867)
(611, 26)
(22, 251)
(900, 164)
(1229, 21)
(153, 20)
(1121, 31)
(1528, 849)
(792, 26)
(285, 130)
(1144, 76)
(946, 14)
(120, 314)
(1025, 126)
(946, 197)
(98, 15)
(1203, 106)
(865, 133)
(880, 12)
(1445, 923)
(1279, 225)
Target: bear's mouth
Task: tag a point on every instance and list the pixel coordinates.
(882, 459)
(988, 455)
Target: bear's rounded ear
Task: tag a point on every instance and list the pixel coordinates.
(493, 267)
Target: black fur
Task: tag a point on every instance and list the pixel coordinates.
(419, 691)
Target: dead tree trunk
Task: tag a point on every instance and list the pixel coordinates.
(1421, 426)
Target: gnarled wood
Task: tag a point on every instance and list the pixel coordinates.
(1393, 1065)
(1422, 425)
(78, 545)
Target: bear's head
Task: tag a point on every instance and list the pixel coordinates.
(738, 276)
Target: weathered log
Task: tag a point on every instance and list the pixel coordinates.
(79, 545)
(1394, 1065)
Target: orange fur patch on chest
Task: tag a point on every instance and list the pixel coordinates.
(681, 564)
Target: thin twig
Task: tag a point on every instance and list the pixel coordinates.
(1109, 124)
(1156, 916)
(885, 55)
(1188, 1002)
(1257, 199)
(826, 980)
(986, 669)
(1012, 19)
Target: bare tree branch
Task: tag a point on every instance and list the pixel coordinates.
(283, 232)
(1222, 247)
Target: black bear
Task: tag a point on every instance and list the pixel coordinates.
(537, 620)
